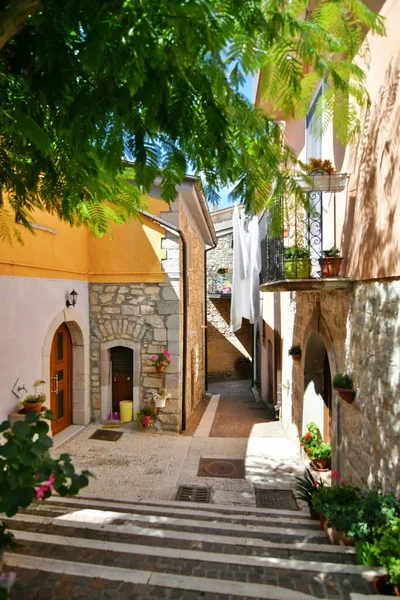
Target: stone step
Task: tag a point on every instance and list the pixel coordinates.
(186, 540)
(116, 552)
(132, 582)
(220, 508)
(179, 511)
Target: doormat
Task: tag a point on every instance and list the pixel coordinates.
(190, 493)
(232, 468)
(280, 499)
(106, 435)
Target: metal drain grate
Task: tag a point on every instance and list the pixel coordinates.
(189, 493)
(106, 435)
(281, 499)
(232, 468)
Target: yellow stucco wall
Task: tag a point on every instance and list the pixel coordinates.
(133, 252)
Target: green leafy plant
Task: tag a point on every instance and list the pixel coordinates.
(145, 417)
(375, 512)
(386, 549)
(294, 350)
(338, 504)
(307, 486)
(242, 366)
(27, 472)
(222, 270)
(296, 252)
(34, 398)
(332, 252)
(7, 539)
(313, 444)
(323, 450)
(342, 380)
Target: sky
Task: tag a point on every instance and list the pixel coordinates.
(247, 90)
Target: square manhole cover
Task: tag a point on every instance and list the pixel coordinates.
(232, 468)
(281, 499)
(190, 493)
(106, 435)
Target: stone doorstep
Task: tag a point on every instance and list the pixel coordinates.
(183, 582)
(198, 555)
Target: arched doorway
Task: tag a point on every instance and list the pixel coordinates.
(122, 375)
(270, 373)
(61, 379)
(317, 400)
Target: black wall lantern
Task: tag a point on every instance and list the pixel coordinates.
(73, 298)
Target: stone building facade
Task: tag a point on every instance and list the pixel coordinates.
(148, 317)
(223, 346)
(354, 331)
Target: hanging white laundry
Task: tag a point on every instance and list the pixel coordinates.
(246, 268)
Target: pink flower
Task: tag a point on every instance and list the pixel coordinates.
(146, 420)
(164, 364)
(154, 357)
(336, 475)
(316, 484)
(343, 483)
(166, 353)
(40, 492)
(47, 486)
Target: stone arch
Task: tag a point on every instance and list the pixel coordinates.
(79, 332)
(105, 373)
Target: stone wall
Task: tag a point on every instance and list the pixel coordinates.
(195, 381)
(139, 314)
(220, 257)
(361, 333)
(224, 346)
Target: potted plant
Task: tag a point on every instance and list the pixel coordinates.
(297, 262)
(161, 361)
(295, 352)
(330, 264)
(242, 366)
(222, 270)
(386, 549)
(344, 385)
(145, 418)
(375, 512)
(160, 398)
(320, 176)
(7, 541)
(33, 402)
(337, 507)
(306, 487)
(318, 451)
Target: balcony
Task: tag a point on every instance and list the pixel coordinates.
(299, 252)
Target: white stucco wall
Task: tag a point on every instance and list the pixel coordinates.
(29, 306)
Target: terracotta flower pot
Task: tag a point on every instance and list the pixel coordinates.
(346, 394)
(382, 586)
(296, 357)
(330, 266)
(340, 539)
(321, 464)
(160, 369)
(323, 521)
(33, 406)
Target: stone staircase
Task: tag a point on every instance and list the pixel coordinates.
(101, 549)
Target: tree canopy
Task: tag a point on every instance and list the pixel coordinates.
(84, 83)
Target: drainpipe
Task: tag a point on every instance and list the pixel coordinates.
(177, 231)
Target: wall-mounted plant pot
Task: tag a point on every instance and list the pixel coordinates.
(321, 464)
(160, 369)
(160, 403)
(346, 394)
(296, 357)
(330, 266)
(299, 268)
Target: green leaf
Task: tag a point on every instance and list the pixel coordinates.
(29, 129)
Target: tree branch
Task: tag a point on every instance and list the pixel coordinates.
(13, 18)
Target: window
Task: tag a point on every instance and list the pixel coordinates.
(313, 130)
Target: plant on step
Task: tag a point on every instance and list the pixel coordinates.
(338, 504)
(27, 471)
(242, 366)
(306, 487)
(375, 512)
(145, 417)
(343, 381)
(386, 549)
(312, 438)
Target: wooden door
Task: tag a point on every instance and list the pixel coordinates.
(61, 380)
(122, 375)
